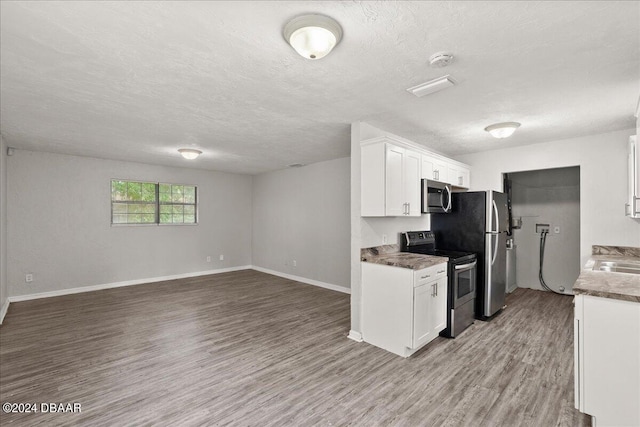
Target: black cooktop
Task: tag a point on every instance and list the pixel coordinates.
(423, 242)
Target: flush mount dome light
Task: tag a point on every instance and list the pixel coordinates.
(313, 36)
(502, 130)
(189, 153)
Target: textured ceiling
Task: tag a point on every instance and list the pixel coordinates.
(138, 80)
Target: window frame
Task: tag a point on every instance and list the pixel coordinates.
(157, 204)
(195, 205)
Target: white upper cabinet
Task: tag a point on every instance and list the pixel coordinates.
(458, 176)
(632, 207)
(390, 179)
(391, 173)
(411, 185)
(449, 172)
(434, 168)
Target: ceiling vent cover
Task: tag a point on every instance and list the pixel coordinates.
(432, 86)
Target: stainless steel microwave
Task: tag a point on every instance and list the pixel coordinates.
(436, 197)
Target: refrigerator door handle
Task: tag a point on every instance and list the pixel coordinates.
(495, 248)
(495, 210)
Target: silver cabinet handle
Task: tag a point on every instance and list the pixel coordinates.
(460, 180)
(425, 277)
(433, 290)
(436, 174)
(441, 271)
(408, 208)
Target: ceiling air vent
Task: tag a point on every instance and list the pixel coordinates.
(432, 86)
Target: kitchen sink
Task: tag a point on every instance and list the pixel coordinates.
(629, 267)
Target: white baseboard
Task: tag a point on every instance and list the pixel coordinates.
(121, 284)
(304, 280)
(3, 310)
(355, 335)
(99, 287)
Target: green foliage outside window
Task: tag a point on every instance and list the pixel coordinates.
(152, 203)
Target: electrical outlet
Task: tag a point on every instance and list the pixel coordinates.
(384, 239)
(295, 263)
(221, 257)
(28, 278)
(208, 259)
(556, 229)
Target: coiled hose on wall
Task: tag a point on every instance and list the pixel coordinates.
(543, 241)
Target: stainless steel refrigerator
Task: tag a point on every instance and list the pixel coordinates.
(478, 222)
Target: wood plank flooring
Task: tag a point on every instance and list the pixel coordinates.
(251, 349)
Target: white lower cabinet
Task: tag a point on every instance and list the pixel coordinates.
(403, 309)
(607, 360)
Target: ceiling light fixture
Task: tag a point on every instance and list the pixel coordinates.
(189, 153)
(313, 36)
(502, 130)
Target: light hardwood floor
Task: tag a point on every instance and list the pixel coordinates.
(247, 348)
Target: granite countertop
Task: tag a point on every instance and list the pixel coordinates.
(391, 255)
(621, 286)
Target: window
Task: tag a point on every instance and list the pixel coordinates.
(177, 204)
(153, 203)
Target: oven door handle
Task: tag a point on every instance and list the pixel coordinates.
(465, 266)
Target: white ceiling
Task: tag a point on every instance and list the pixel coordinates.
(138, 80)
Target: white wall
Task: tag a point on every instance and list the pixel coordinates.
(302, 214)
(603, 181)
(59, 216)
(3, 228)
(558, 206)
(367, 232)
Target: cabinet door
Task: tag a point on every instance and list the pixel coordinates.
(611, 350)
(440, 170)
(422, 327)
(427, 167)
(438, 309)
(412, 190)
(459, 176)
(632, 208)
(395, 204)
(434, 169)
(465, 173)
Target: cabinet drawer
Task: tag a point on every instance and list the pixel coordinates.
(429, 274)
